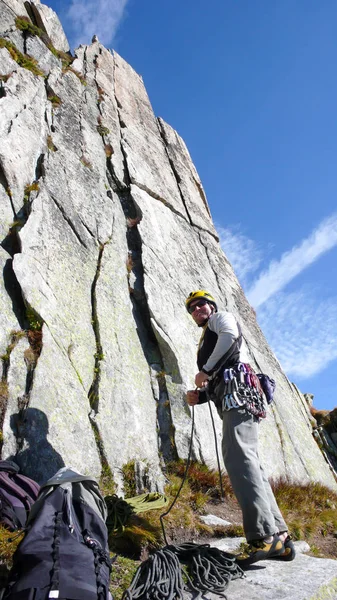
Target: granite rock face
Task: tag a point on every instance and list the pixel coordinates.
(105, 229)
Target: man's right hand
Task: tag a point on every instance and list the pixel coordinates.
(192, 397)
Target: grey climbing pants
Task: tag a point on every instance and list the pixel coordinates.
(261, 515)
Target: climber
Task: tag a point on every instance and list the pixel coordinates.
(226, 377)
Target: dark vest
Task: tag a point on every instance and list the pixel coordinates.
(228, 360)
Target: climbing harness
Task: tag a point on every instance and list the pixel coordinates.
(206, 569)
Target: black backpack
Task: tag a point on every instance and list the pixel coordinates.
(64, 553)
(17, 495)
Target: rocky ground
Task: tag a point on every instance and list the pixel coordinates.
(322, 545)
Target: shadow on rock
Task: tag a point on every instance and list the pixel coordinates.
(37, 459)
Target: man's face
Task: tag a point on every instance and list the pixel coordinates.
(201, 311)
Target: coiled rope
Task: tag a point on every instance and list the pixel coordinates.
(206, 569)
(120, 510)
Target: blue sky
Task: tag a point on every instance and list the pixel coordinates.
(251, 87)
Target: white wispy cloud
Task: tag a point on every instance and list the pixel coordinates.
(301, 330)
(293, 262)
(300, 327)
(243, 253)
(100, 17)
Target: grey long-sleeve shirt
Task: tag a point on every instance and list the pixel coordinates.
(224, 324)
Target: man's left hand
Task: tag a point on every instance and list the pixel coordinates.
(201, 379)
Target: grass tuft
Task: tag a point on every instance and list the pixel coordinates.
(203, 479)
(86, 162)
(129, 479)
(307, 508)
(103, 130)
(24, 60)
(123, 570)
(50, 144)
(24, 24)
(67, 68)
(55, 100)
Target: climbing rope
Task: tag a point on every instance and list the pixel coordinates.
(207, 569)
(147, 501)
(120, 511)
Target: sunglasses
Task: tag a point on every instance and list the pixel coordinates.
(192, 307)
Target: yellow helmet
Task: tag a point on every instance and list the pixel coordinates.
(200, 294)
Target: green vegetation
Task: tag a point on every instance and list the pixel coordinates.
(55, 100)
(86, 162)
(24, 24)
(129, 479)
(34, 320)
(5, 78)
(24, 60)
(123, 570)
(33, 187)
(102, 130)
(310, 509)
(101, 94)
(50, 144)
(67, 68)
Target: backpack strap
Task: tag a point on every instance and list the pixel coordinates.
(9, 466)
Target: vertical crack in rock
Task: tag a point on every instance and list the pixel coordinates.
(94, 388)
(28, 319)
(69, 221)
(141, 313)
(202, 195)
(93, 395)
(210, 263)
(5, 185)
(174, 170)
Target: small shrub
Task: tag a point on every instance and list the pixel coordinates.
(85, 162)
(33, 187)
(101, 94)
(103, 130)
(50, 144)
(109, 151)
(55, 100)
(34, 320)
(5, 78)
(35, 341)
(202, 478)
(24, 24)
(129, 478)
(106, 483)
(78, 75)
(24, 60)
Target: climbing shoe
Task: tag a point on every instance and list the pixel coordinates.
(289, 550)
(260, 550)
